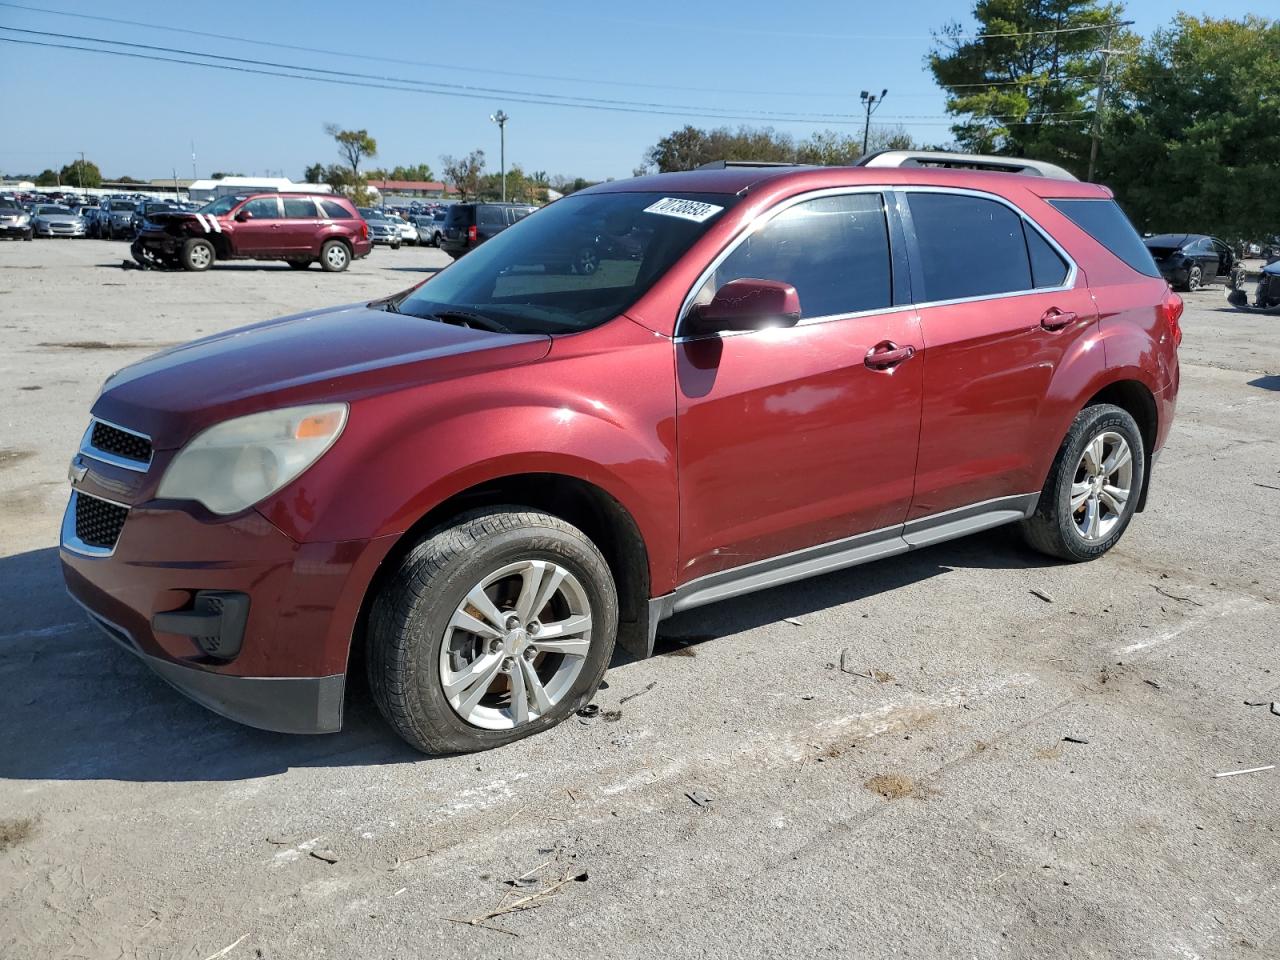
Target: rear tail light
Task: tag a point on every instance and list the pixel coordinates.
(364, 230)
(471, 234)
(1172, 309)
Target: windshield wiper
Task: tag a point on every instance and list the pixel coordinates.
(465, 318)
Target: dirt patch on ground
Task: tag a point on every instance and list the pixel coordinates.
(10, 456)
(892, 786)
(14, 833)
(103, 345)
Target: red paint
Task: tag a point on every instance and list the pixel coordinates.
(724, 450)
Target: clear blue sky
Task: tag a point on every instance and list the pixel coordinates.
(139, 118)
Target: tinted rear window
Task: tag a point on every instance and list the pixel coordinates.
(493, 216)
(969, 247)
(1105, 222)
(1048, 269)
(299, 208)
(461, 215)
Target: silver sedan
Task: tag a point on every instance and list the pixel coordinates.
(51, 220)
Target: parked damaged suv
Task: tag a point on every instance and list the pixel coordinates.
(298, 228)
(480, 484)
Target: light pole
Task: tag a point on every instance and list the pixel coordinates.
(870, 103)
(501, 119)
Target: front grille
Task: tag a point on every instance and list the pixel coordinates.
(119, 442)
(98, 522)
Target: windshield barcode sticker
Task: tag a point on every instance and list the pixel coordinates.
(694, 210)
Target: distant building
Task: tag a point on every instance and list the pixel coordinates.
(204, 190)
(413, 188)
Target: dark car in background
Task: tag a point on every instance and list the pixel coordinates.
(467, 225)
(1190, 260)
(116, 219)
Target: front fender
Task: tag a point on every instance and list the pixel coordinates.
(575, 413)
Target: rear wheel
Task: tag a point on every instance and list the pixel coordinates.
(334, 256)
(493, 628)
(1093, 486)
(197, 254)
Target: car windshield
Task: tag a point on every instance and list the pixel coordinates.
(370, 214)
(7, 204)
(54, 211)
(222, 205)
(572, 265)
(115, 205)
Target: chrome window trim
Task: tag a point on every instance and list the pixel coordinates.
(886, 191)
(103, 456)
(72, 542)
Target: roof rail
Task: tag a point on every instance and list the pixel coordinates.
(725, 164)
(964, 161)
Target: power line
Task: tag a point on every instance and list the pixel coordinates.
(342, 78)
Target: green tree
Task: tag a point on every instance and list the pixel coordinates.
(222, 174)
(47, 178)
(690, 147)
(419, 171)
(1195, 143)
(1024, 86)
(82, 174)
(315, 173)
(354, 146)
(464, 173)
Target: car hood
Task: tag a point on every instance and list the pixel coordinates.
(58, 218)
(341, 353)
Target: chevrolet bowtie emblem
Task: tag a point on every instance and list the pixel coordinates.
(77, 470)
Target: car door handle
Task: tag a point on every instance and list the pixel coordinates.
(887, 354)
(1055, 319)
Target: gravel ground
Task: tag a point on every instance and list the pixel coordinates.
(750, 800)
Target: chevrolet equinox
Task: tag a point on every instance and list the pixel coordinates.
(484, 482)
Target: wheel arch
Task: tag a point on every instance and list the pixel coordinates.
(1136, 399)
(589, 507)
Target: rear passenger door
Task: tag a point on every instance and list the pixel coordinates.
(1002, 309)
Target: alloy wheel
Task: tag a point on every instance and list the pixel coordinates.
(1102, 486)
(336, 256)
(200, 257)
(516, 644)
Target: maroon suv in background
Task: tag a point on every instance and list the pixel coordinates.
(299, 228)
(485, 481)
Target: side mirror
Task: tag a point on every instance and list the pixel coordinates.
(746, 305)
(243, 215)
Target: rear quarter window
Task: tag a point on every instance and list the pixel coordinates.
(335, 211)
(1105, 222)
(492, 216)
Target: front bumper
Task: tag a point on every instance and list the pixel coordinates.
(14, 230)
(45, 230)
(304, 600)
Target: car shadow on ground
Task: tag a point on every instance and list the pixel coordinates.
(1268, 382)
(78, 707)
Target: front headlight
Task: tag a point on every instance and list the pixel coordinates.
(24, 219)
(233, 465)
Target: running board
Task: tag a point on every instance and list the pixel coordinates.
(837, 555)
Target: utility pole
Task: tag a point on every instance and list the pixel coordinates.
(870, 103)
(80, 171)
(501, 119)
(1107, 54)
(193, 161)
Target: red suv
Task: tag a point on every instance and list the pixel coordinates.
(484, 481)
(299, 228)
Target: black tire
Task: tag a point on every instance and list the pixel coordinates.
(395, 245)
(335, 256)
(1195, 279)
(29, 235)
(1052, 528)
(435, 240)
(197, 254)
(412, 609)
(299, 264)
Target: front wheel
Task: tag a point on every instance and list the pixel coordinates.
(197, 255)
(1195, 279)
(1093, 486)
(492, 628)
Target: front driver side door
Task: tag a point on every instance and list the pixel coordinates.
(789, 438)
(260, 233)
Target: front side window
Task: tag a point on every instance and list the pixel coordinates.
(222, 206)
(969, 247)
(263, 208)
(833, 250)
(571, 265)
